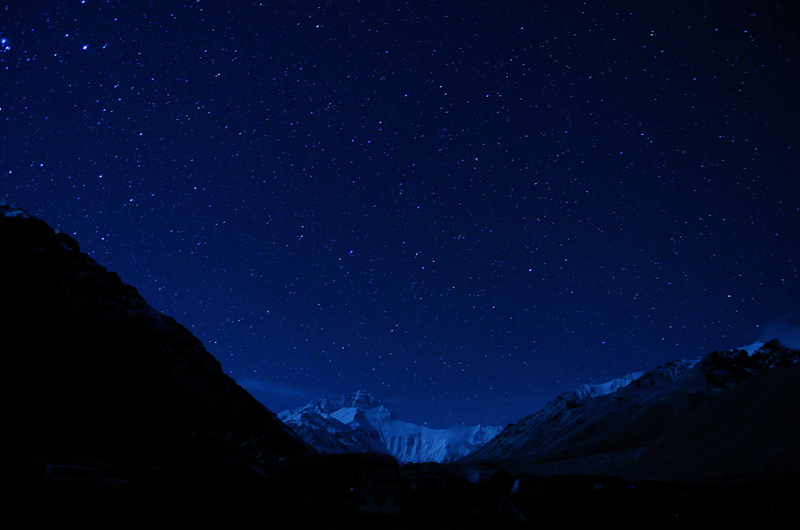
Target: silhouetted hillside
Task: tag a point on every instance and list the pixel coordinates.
(90, 368)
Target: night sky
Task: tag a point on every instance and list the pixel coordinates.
(464, 208)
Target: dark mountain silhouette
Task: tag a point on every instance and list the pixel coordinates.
(89, 368)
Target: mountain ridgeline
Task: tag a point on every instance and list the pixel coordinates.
(91, 368)
(731, 412)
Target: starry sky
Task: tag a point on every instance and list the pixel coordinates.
(464, 208)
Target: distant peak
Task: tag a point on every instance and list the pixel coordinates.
(752, 348)
(770, 345)
(357, 422)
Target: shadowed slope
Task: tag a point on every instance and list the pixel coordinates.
(90, 366)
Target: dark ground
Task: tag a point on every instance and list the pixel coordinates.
(240, 500)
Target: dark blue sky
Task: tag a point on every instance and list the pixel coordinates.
(464, 208)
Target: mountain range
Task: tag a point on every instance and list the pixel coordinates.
(731, 412)
(90, 368)
(360, 423)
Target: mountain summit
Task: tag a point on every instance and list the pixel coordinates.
(360, 423)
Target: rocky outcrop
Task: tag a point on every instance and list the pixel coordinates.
(728, 368)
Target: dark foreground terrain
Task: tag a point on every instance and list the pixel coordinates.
(241, 498)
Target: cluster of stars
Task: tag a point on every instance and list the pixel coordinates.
(464, 209)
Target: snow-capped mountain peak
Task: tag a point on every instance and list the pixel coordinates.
(752, 348)
(360, 423)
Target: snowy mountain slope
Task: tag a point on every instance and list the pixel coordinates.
(569, 415)
(360, 423)
(751, 428)
(333, 429)
(586, 392)
(417, 443)
(635, 417)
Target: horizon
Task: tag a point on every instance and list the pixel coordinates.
(395, 404)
